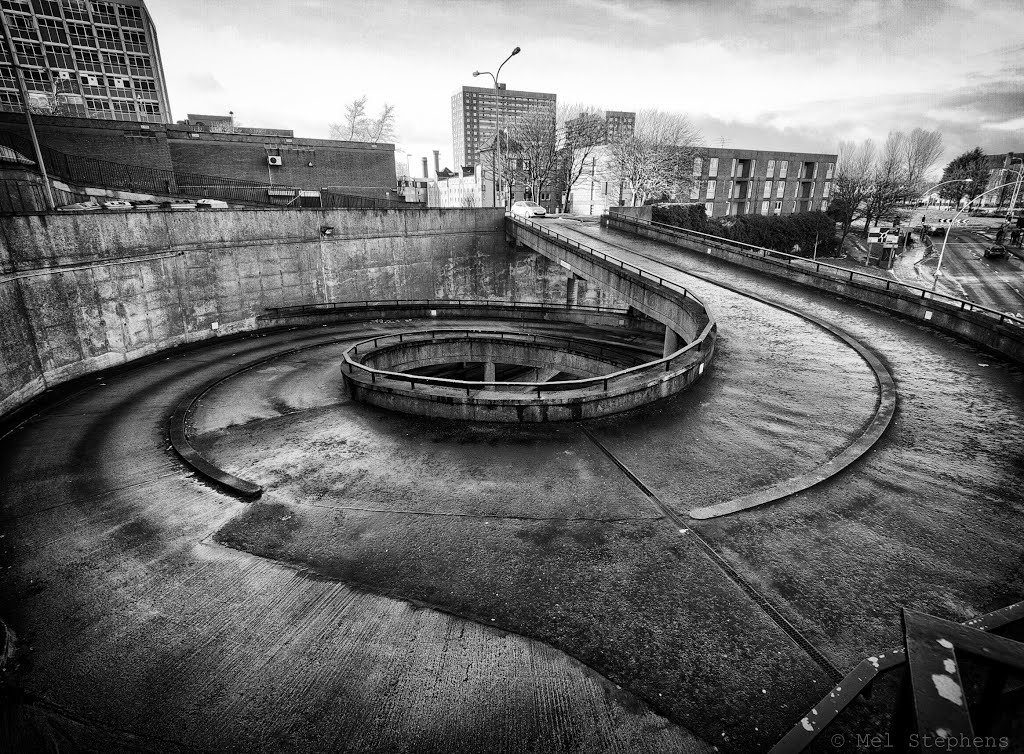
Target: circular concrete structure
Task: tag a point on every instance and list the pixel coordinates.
(379, 371)
(415, 584)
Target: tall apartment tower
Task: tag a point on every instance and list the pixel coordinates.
(87, 58)
(475, 113)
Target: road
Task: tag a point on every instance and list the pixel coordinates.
(995, 283)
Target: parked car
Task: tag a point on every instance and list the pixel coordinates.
(144, 206)
(78, 207)
(117, 204)
(528, 209)
(998, 251)
(211, 204)
(177, 205)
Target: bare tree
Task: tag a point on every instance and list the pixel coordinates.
(657, 158)
(852, 186)
(890, 188)
(382, 128)
(358, 126)
(921, 150)
(532, 149)
(582, 130)
(355, 121)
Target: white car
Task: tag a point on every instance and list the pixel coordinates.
(211, 204)
(117, 204)
(528, 209)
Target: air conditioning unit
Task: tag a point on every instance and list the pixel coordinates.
(273, 159)
(64, 75)
(92, 81)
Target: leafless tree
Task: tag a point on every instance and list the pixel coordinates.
(358, 126)
(355, 121)
(581, 131)
(921, 150)
(532, 150)
(890, 186)
(382, 128)
(657, 158)
(852, 185)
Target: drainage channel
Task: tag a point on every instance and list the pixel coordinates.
(683, 528)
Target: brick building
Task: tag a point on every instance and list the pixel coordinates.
(727, 181)
(475, 113)
(345, 167)
(88, 58)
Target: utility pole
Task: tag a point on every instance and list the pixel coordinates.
(50, 205)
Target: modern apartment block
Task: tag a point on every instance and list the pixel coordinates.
(475, 116)
(739, 182)
(726, 181)
(84, 58)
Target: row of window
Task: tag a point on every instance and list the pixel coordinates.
(78, 10)
(766, 192)
(808, 170)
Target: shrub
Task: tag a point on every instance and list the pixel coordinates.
(783, 233)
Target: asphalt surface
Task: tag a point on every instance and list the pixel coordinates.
(138, 632)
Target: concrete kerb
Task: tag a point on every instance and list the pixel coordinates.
(885, 410)
(182, 414)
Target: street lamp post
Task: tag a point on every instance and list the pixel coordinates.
(19, 74)
(1016, 185)
(497, 121)
(942, 251)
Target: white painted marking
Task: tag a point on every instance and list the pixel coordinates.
(807, 725)
(945, 643)
(948, 689)
(873, 661)
(950, 666)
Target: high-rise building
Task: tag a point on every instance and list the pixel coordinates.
(87, 58)
(475, 113)
(619, 124)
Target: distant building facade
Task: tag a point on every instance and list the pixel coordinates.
(343, 167)
(1003, 170)
(84, 58)
(726, 181)
(476, 112)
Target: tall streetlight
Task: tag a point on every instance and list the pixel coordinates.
(945, 238)
(1016, 186)
(497, 120)
(20, 76)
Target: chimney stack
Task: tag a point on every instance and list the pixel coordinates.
(437, 161)
(425, 169)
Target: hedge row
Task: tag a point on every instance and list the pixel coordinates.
(790, 234)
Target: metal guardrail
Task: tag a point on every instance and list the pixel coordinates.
(861, 679)
(468, 334)
(833, 271)
(299, 309)
(660, 367)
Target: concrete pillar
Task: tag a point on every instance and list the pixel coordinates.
(572, 291)
(671, 341)
(489, 374)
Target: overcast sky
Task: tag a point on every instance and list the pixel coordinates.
(764, 74)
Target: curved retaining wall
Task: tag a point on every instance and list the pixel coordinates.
(663, 301)
(81, 292)
(983, 327)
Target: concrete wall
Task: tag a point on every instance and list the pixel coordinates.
(981, 329)
(82, 291)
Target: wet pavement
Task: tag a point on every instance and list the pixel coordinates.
(142, 631)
